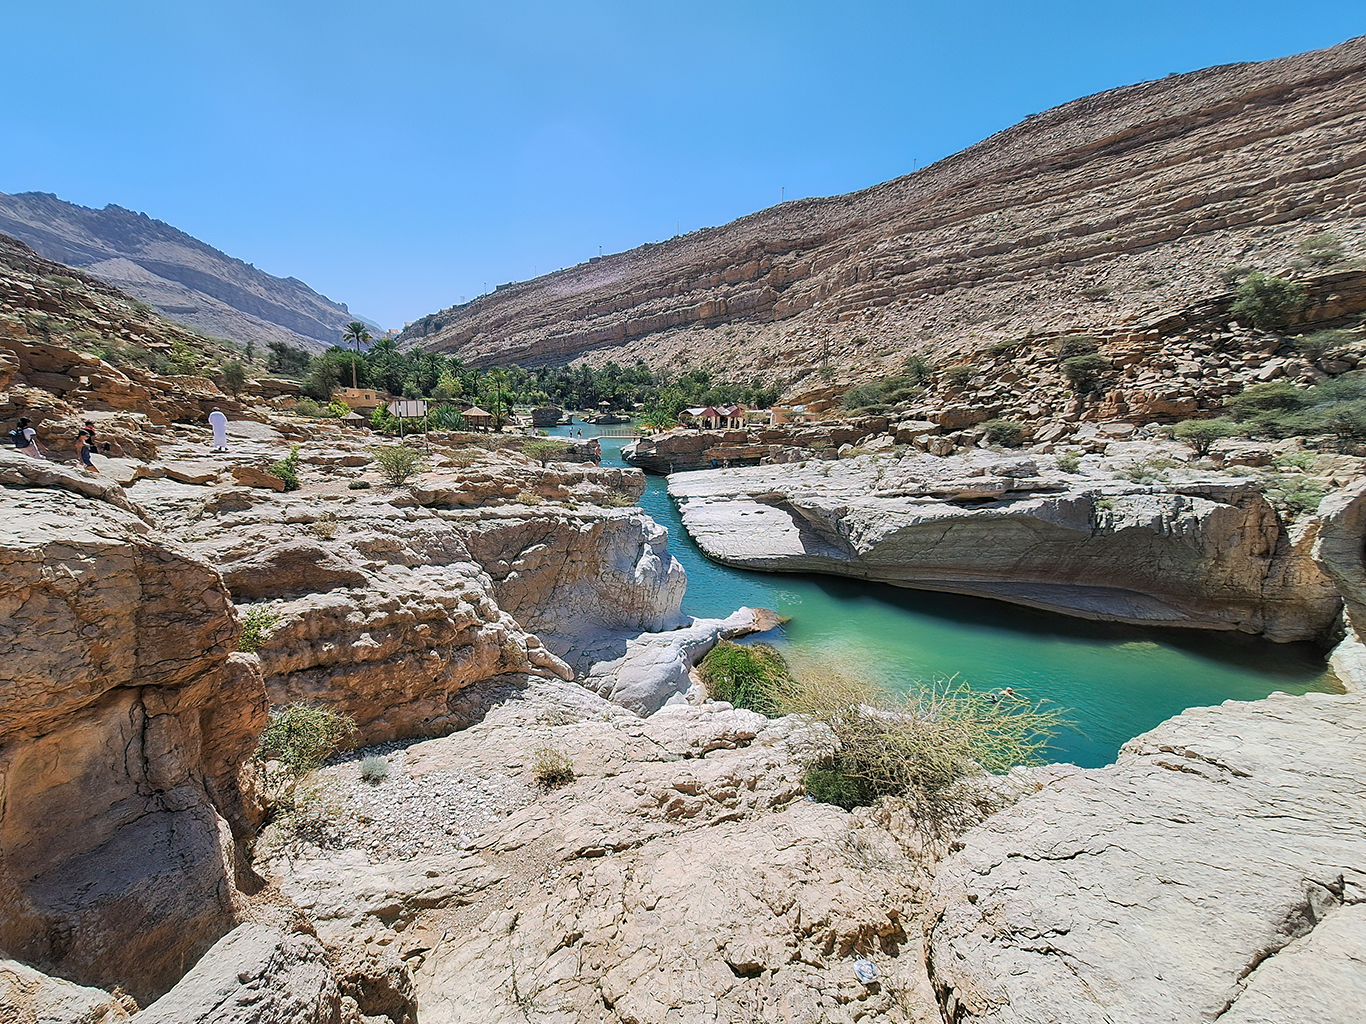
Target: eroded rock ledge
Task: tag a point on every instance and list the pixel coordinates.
(1206, 552)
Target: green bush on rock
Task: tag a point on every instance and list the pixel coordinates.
(287, 469)
(1007, 433)
(1201, 434)
(752, 676)
(257, 625)
(397, 463)
(297, 740)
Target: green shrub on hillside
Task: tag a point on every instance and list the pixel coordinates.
(287, 469)
(1201, 434)
(397, 463)
(234, 377)
(1266, 302)
(1007, 433)
(257, 625)
(300, 737)
(917, 368)
(1083, 372)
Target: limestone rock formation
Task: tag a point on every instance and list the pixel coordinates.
(30, 997)
(1107, 210)
(1204, 552)
(126, 720)
(389, 603)
(1213, 872)
(644, 672)
(681, 450)
(1338, 551)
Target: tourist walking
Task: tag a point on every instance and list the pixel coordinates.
(85, 443)
(25, 438)
(219, 422)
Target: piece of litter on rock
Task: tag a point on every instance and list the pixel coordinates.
(865, 971)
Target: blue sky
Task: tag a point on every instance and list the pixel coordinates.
(400, 155)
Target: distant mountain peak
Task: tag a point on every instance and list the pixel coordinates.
(182, 276)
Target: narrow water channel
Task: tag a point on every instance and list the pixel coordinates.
(1115, 681)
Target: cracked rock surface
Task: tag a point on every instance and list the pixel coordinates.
(1217, 871)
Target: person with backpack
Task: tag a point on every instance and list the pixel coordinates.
(85, 442)
(25, 438)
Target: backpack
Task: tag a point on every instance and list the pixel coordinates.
(17, 436)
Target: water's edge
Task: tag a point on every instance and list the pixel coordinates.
(1115, 681)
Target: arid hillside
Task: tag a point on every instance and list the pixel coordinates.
(1106, 211)
(181, 276)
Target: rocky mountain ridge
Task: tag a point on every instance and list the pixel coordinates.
(186, 279)
(1096, 214)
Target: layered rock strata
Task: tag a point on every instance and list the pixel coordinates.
(1206, 552)
(125, 722)
(1213, 872)
(1099, 212)
(388, 602)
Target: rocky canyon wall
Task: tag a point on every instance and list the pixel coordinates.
(1103, 211)
(126, 719)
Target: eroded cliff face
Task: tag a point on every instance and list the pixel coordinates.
(124, 721)
(1099, 212)
(1207, 552)
(391, 602)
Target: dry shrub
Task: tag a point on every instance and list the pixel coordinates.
(553, 768)
(921, 746)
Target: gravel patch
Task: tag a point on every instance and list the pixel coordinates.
(406, 816)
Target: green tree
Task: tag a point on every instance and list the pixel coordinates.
(447, 388)
(234, 377)
(322, 379)
(1201, 434)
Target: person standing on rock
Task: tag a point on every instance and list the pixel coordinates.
(85, 442)
(219, 422)
(25, 438)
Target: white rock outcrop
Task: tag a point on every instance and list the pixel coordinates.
(1216, 871)
(1201, 552)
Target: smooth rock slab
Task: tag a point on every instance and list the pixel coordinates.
(253, 975)
(1169, 886)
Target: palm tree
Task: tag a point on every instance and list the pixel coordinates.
(355, 331)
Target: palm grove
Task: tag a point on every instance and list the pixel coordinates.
(448, 380)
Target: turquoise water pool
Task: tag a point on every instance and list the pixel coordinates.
(1115, 681)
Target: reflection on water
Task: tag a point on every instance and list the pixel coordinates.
(1116, 681)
